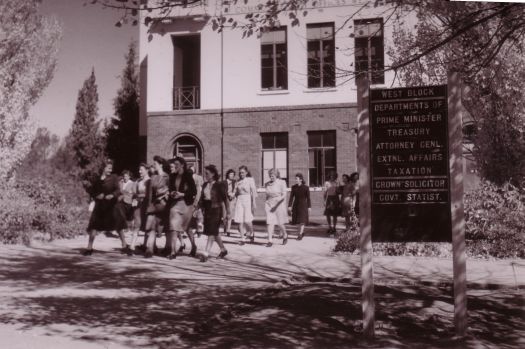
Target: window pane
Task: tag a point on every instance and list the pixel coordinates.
(319, 31)
(329, 158)
(267, 77)
(328, 75)
(311, 158)
(329, 139)
(281, 140)
(314, 179)
(314, 139)
(274, 36)
(268, 162)
(267, 140)
(280, 159)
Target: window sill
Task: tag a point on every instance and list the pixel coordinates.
(273, 92)
(321, 89)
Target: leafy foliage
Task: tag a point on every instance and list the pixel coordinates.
(123, 130)
(28, 54)
(489, 57)
(85, 142)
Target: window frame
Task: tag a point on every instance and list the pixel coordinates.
(274, 150)
(377, 74)
(275, 67)
(322, 149)
(321, 63)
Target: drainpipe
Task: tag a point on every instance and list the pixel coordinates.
(222, 94)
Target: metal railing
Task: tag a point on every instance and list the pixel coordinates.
(186, 97)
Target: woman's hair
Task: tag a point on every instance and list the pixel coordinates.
(143, 164)
(333, 175)
(106, 163)
(181, 161)
(354, 176)
(243, 167)
(126, 172)
(347, 177)
(275, 172)
(300, 176)
(160, 160)
(213, 170)
(230, 171)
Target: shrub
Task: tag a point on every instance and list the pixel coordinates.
(32, 209)
(494, 227)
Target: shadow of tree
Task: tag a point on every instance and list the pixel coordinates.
(236, 304)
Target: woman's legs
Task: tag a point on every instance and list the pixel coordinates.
(301, 231)
(329, 221)
(242, 230)
(335, 222)
(271, 229)
(92, 234)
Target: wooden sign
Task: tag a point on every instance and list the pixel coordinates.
(409, 158)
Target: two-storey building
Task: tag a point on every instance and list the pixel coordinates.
(283, 99)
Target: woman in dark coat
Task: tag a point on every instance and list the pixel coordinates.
(215, 206)
(299, 204)
(105, 216)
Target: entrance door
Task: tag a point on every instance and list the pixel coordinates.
(190, 149)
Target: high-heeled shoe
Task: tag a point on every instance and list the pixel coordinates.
(223, 254)
(172, 256)
(300, 237)
(252, 238)
(182, 248)
(269, 244)
(203, 258)
(285, 240)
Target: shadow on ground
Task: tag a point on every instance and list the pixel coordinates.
(231, 304)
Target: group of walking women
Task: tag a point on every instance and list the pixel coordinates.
(167, 199)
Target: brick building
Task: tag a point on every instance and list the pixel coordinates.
(284, 99)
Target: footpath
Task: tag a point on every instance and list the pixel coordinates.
(300, 295)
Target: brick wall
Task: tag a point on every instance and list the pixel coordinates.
(242, 128)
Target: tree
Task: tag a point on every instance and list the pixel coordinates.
(123, 130)
(85, 141)
(29, 46)
(495, 80)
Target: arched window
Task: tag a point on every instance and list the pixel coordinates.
(190, 149)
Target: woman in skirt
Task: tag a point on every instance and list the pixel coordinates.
(332, 203)
(215, 207)
(157, 198)
(299, 205)
(139, 205)
(245, 194)
(275, 206)
(230, 190)
(182, 199)
(105, 192)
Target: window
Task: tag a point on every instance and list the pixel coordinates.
(369, 41)
(274, 154)
(321, 55)
(274, 65)
(321, 156)
(189, 148)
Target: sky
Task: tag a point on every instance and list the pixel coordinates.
(90, 40)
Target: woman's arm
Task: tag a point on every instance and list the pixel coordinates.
(308, 197)
(292, 198)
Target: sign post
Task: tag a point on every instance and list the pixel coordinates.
(459, 256)
(412, 178)
(365, 219)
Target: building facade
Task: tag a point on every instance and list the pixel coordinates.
(284, 99)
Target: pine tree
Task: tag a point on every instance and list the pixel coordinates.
(85, 141)
(123, 130)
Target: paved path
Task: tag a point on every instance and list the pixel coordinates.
(298, 295)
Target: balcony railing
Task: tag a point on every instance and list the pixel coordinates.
(186, 98)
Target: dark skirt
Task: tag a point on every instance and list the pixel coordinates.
(212, 218)
(300, 213)
(120, 212)
(103, 217)
(333, 206)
